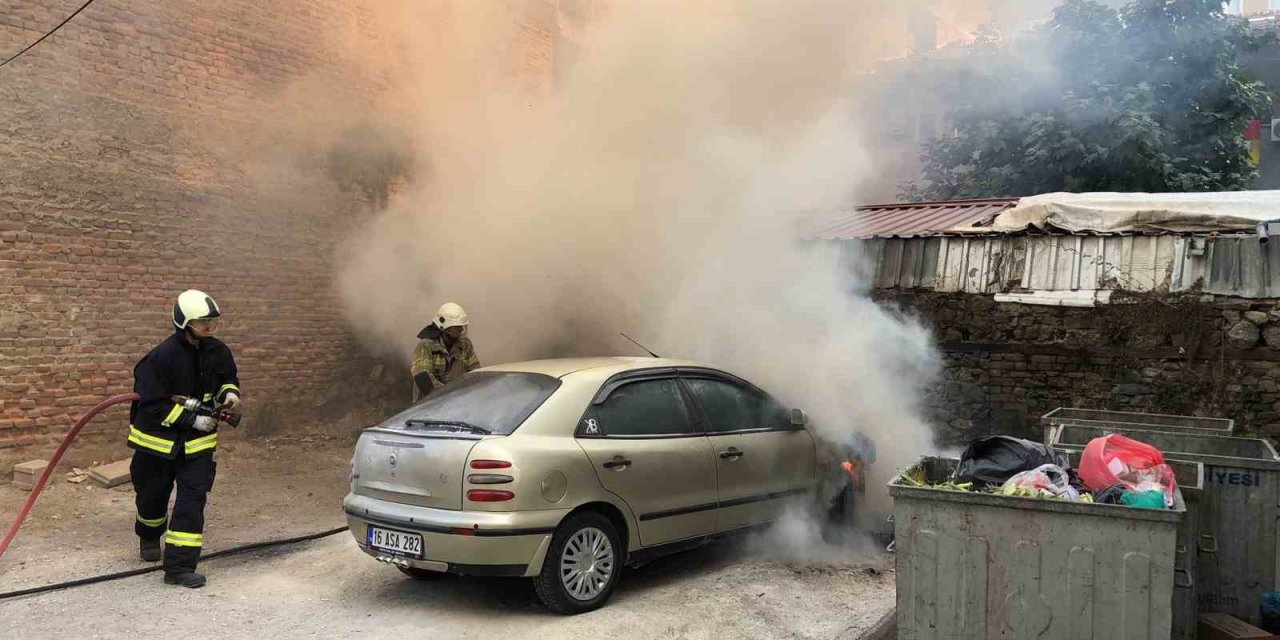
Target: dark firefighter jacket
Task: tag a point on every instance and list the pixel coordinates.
(157, 424)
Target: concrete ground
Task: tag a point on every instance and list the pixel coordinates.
(781, 585)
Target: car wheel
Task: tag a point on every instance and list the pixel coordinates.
(582, 565)
(420, 574)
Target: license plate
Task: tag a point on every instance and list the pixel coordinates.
(395, 542)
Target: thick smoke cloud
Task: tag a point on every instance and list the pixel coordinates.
(662, 189)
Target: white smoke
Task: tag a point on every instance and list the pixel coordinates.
(662, 189)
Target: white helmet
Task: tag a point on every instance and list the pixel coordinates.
(450, 315)
(193, 305)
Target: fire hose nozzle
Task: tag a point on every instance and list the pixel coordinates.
(194, 405)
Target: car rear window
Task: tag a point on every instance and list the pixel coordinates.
(497, 401)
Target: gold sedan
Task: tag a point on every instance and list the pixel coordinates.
(563, 471)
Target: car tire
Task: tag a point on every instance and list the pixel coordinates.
(585, 538)
(421, 574)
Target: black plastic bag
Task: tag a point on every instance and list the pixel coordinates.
(995, 459)
(1111, 495)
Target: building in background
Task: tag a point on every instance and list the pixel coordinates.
(1066, 312)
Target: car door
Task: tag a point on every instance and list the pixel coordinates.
(642, 439)
(761, 459)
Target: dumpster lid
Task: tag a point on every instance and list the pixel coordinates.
(1135, 420)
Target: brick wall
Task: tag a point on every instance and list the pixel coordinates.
(1008, 364)
(157, 145)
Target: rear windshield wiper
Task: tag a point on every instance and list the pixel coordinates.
(456, 424)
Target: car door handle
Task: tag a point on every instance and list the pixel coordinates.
(618, 462)
(732, 453)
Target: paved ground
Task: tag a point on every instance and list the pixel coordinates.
(328, 589)
(265, 489)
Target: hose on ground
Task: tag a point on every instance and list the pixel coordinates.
(157, 567)
(53, 464)
(44, 478)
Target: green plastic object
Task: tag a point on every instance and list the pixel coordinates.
(1143, 499)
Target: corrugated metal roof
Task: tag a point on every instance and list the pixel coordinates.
(911, 219)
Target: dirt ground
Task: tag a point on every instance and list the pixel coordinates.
(266, 489)
(287, 486)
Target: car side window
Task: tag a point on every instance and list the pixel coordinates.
(730, 407)
(649, 408)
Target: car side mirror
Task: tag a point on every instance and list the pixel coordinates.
(798, 418)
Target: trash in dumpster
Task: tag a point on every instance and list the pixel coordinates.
(994, 459)
(1133, 473)
(1114, 459)
(1111, 495)
(1045, 481)
(915, 477)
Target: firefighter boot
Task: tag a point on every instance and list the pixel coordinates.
(190, 580)
(149, 550)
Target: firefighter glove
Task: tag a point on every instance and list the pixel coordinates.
(205, 424)
(232, 401)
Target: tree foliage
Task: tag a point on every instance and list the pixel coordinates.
(1148, 97)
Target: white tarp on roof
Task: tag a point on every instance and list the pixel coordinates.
(1224, 211)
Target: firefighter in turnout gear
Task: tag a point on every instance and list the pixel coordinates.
(172, 445)
(444, 352)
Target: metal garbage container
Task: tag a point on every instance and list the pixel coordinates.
(1139, 421)
(976, 565)
(1234, 544)
(1190, 478)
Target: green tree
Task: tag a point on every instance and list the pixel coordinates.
(1149, 97)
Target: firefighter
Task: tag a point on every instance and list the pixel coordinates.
(444, 351)
(172, 445)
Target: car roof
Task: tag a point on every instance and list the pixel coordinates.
(562, 367)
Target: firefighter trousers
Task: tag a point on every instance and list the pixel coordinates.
(182, 530)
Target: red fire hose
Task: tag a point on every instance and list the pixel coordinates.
(53, 464)
(48, 471)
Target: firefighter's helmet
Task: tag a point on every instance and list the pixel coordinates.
(451, 315)
(193, 305)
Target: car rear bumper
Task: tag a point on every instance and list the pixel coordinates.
(479, 543)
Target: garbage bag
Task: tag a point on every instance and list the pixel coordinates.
(1111, 495)
(1045, 481)
(1115, 459)
(995, 459)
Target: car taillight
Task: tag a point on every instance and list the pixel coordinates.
(488, 495)
(490, 464)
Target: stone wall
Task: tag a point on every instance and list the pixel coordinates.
(1008, 364)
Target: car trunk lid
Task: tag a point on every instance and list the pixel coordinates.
(423, 469)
